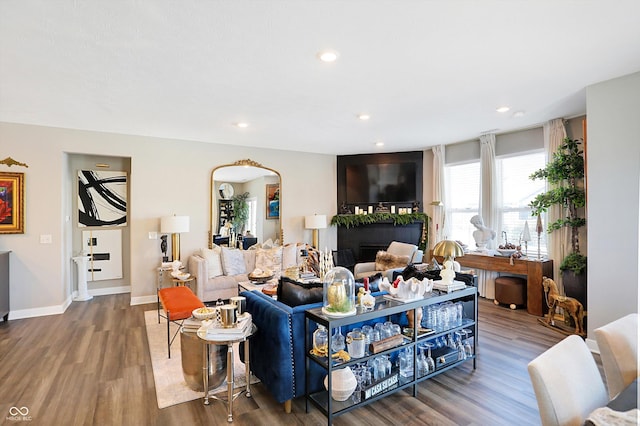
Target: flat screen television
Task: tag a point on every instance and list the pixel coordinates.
(386, 182)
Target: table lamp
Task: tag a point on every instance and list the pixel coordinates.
(315, 222)
(174, 225)
(449, 250)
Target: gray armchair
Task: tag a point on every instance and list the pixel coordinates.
(396, 248)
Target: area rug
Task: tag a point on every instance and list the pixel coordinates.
(171, 388)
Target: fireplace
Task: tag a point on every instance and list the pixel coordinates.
(366, 240)
(367, 252)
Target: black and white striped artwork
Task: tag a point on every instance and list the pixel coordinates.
(102, 198)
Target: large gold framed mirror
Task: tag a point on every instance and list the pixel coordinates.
(246, 204)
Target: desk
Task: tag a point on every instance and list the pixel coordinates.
(532, 268)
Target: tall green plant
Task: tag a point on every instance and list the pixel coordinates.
(565, 172)
(240, 212)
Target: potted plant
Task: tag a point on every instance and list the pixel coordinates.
(240, 212)
(565, 172)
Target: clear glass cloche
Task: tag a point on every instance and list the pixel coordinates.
(339, 293)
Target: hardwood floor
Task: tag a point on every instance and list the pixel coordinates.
(91, 365)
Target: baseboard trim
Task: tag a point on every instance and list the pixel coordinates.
(144, 300)
(110, 290)
(40, 312)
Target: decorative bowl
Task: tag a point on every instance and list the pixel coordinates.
(506, 252)
(204, 313)
(180, 275)
(261, 276)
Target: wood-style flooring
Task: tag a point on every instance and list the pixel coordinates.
(91, 366)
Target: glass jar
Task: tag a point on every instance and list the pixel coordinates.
(320, 340)
(338, 292)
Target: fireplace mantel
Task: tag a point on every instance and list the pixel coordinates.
(361, 233)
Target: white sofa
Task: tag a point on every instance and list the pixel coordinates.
(219, 270)
(396, 248)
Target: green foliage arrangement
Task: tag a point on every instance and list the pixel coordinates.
(351, 220)
(240, 212)
(566, 173)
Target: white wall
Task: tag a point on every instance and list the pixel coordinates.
(613, 171)
(167, 177)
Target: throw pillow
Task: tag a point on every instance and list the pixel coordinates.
(270, 259)
(289, 258)
(386, 261)
(233, 261)
(293, 293)
(214, 263)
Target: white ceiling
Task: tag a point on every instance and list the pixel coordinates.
(428, 72)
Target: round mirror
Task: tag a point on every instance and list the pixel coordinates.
(225, 190)
(252, 210)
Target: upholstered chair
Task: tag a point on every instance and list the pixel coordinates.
(396, 257)
(618, 344)
(567, 383)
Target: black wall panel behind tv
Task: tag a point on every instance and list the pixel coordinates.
(380, 178)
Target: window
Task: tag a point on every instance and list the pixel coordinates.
(517, 192)
(252, 221)
(462, 186)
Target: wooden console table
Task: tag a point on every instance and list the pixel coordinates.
(533, 269)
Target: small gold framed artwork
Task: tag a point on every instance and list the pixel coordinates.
(11, 203)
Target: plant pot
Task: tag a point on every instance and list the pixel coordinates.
(576, 286)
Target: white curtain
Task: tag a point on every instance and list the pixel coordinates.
(437, 215)
(489, 201)
(558, 241)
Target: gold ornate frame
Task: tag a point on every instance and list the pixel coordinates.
(248, 163)
(11, 203)
(272, 189)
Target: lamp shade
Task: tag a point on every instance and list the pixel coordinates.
(174, 224)
(316, 221)
(448, 248)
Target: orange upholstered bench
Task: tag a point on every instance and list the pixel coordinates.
(178, 303)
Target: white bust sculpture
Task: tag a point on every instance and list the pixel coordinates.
(482, 234)
(447, 274)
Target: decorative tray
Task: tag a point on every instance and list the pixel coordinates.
(260, 279)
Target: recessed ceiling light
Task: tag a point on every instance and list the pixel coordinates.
(364, 117)
(502, 109)
(241, 124)
(379, 143)
(518, 114)
(328, 55)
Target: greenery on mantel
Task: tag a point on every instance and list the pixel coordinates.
(351, 220)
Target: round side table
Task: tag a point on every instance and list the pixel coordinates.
(186, 281)
(229, 341)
